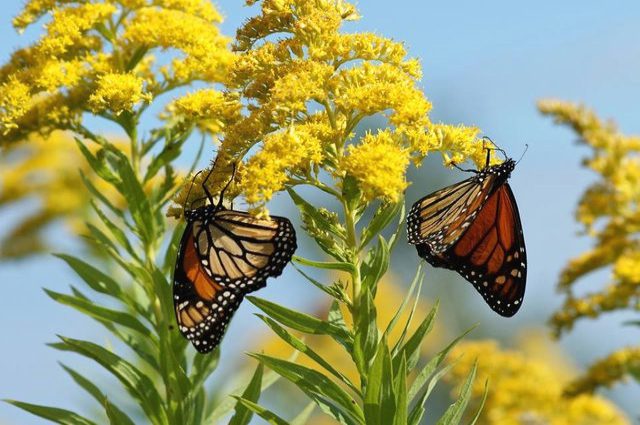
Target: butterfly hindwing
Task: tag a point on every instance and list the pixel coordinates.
(225, 254)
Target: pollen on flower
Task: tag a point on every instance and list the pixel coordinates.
(379, 164)
(118, 93)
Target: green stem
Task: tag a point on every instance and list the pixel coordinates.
(352, 246)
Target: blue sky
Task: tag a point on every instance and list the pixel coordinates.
(486, 64)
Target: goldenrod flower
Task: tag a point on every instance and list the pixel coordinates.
(526, 389)
(118, 93)
(266, 172)
(608, 210)
(315, 78)
(612, 369)
(379, 164)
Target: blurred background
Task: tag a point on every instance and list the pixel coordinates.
(485, 64)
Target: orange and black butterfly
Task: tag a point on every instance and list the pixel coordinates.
(473, 227)
(223, 255)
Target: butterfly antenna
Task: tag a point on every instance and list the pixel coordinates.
(495, 148)
(526, 147)
(233, 176)
(189, 192)
(204, 185)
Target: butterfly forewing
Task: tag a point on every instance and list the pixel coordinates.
(474, 228)
(225, 254)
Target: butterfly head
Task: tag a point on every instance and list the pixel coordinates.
(502, 171)
(202, 212)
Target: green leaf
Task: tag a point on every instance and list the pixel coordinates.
(318, 218)
(402, 402)
(432, 365)
(325, 265)
(100, 196)
(366, 337)
(485, 393)
(314, 384)
(171, 254)
(101, 313)
(303, 417)
(85, 384)
(379, 400)
(375, 266)
(115, 415)
(453, 415)
(305, 349)
(203, 367)
(332, 291)
(417, 280)
(97, 280)
(116, 231)
(411, 349)
(383, 216)
(169, 152)
(418, 409)
(136, 382)
(54, 414)
(98, 164)
(227, 404)
(408, 322)
(351, 192)
(265, 414)
(300, 321)
(252, 393)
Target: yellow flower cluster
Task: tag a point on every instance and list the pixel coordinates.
(609, 212)
(323, 83)
(608, 371)
(118, 93)
(391, 160)
(612, 203)
(99, 57)
(525, 389)
(210, 110)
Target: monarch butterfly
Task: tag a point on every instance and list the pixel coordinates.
(474, 228)
(223, 255)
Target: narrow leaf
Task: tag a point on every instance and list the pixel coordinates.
(453, 415)
(485, 393)
(326, 265)
(101, 313)
(411, 349)
(97, 280)
(61, 416)
(136, 382)
(304, 348)
(252, 394)
(313, 383)
(115, 415)
(265, 414)
(299, 321)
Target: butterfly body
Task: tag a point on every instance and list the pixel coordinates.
(224, 255)
(473, 227)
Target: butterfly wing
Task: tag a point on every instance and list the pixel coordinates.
(203, 307)
(491, 253)
(223, 257)
(439, 219)
(240, 251)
